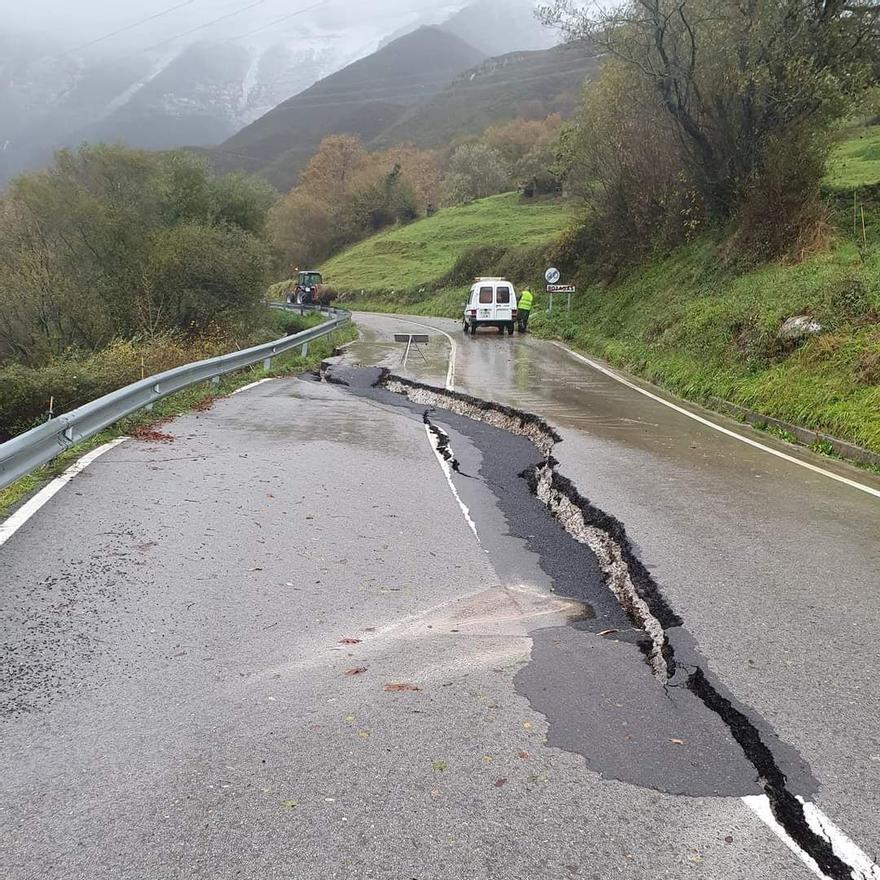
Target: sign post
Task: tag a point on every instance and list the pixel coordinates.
(567, 289)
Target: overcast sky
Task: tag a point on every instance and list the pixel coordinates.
(81, 21)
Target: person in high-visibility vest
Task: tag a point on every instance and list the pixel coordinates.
(524, 309)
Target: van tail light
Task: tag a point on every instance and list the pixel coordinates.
(513, 313)
(472, 313)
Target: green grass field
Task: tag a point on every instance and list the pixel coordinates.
(421, 252)
(855, 161)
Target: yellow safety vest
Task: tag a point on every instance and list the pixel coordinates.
(525, 301)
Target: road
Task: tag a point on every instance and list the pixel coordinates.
(282, 639)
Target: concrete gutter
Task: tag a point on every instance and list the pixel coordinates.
(803, 436)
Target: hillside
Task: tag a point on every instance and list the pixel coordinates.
(529, 84)
(363, 99)
(687, 320)
(422, 253)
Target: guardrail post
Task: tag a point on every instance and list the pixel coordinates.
(215, 380)
(305, 349)
(267, 364)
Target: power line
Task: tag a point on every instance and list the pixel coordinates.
(584, 66)
(207, 24)
(131, 27)
(410, 88)
(281, 19)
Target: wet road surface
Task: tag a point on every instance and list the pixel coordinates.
(775, 569)
(275, 648)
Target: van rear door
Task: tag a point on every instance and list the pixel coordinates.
(485, 304)
(504, 303)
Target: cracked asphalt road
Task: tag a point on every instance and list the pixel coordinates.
(176, 702)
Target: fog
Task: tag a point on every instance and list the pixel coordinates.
(143, 25)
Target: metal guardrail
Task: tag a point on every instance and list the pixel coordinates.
(22, 454)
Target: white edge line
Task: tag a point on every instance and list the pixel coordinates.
(447, 471)
(11, 525)
(710, 424)
(844, 848)
(450, 372)
(847, 851)
(251, 385)
(759, 804)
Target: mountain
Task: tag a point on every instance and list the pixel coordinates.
(197, 95)
(501, 26)
(495, 27)
(415, 90)
(527, 84)
(363, 99)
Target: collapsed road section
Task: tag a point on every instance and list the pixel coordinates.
(662, 690)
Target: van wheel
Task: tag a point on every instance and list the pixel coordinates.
(501, 330)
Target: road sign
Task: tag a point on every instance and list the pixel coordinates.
(567, 289)
(413, 341)
(552, 275)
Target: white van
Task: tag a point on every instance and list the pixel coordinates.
(492, 303)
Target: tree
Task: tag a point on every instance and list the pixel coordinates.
(734, 78)
(475, 172)
(82, 246)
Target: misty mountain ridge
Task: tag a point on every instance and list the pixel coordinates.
(198, 95)
(362, 99)
(428, 88)
(201, 94)
(495, 27)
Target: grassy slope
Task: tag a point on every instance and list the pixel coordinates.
(408, 256)
(687, 322)
(856, 160)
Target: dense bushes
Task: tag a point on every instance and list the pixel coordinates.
(112, 243)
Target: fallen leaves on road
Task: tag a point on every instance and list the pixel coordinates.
(150, 435)
(348, 641)
(527, 725)
(397, 686)
(364, 734)
(678, 742)
(439, 766)
(355, 670)
(500, 783)
(523, 755)
(289, 804)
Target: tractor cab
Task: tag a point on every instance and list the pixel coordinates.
(306, 290)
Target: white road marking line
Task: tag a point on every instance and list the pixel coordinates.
(716, 427)
(248, 387)
(447, 470)
(450, 373)
(847, 851)
(27, 510)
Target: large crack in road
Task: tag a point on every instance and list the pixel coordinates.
(626, 687)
